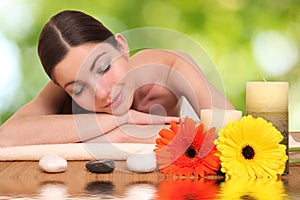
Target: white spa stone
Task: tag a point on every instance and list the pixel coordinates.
(53, 163)
(141, 162)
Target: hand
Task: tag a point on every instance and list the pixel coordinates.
(136, 117)
(130, 133)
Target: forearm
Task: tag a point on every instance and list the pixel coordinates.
(130, 133)
(50, 129)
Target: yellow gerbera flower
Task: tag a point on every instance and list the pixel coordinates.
(250, 147)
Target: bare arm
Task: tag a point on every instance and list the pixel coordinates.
(130, 133)
(39, 121)
(50, 129)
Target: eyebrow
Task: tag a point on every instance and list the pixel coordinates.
(91, 69)
(70, 83)
(95, 60)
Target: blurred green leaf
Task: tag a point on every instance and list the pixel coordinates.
(225, 29)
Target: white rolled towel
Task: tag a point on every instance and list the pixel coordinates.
(75, 151)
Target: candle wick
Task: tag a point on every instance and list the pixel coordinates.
(264, 79)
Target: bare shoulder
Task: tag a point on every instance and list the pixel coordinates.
(50, 100)
(160, 56)
(51, 91)
(157, 56)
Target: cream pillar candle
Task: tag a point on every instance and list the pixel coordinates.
(218, 118)
(269, 100)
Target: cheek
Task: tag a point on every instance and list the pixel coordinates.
(85, 102)
(122, 72)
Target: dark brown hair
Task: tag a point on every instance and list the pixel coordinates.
(68, 29)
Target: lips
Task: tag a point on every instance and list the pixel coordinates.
(115, 102)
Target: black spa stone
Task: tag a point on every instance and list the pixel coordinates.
(100, 166)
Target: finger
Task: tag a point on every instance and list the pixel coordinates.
(170, 119)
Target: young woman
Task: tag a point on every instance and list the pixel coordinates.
(111, 91)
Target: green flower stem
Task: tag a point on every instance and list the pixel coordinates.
(294, 161)
(294, 149)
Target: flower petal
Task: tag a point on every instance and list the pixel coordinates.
(269, 157)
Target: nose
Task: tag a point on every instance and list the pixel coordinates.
(102, 91)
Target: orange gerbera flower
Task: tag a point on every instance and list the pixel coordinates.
(185, 150)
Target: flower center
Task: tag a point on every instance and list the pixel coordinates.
(248, 152)
(247, 197)
(190, 152)
(190, 196)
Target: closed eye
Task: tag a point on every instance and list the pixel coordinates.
(77, 90)
(104, 68)
(107, 68)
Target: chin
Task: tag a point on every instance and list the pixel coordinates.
(121, 110)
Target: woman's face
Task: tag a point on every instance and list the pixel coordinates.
(97, 76)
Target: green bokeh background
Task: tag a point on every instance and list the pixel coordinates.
(226, 29)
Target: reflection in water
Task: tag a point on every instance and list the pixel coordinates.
(107, 190)
(187, 189)
(101, 190)
(142, 190)
(179, 189)
(53, 190)
(252, 189)
(100, 187)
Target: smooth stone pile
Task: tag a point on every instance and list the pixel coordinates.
(53, 163)
(141, 162)
(100, 166)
